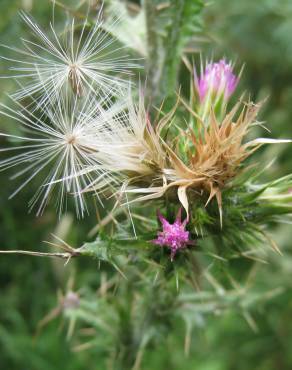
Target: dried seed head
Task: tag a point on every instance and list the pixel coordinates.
(61, 148)
(88, 62)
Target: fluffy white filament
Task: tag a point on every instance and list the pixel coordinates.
(85, 59)
(60, 144)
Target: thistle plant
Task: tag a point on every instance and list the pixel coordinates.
(179, 186)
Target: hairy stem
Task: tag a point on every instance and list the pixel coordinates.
(153, 68)
(172, 50)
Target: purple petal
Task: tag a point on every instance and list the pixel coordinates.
(217, 78)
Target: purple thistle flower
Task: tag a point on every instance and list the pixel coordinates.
(173, 236)
(217, 78)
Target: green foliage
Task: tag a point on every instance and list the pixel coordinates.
(226, 301)
(170, 27)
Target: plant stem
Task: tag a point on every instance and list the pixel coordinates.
(153, 68)
(164, 48)
(172, 50)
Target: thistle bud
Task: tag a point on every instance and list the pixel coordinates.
(71, 301)
(216, 81)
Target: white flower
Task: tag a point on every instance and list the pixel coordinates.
(89, 61)
(60, 145)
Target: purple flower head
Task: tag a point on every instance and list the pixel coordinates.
(71, 301)
(174, 236)
(217, 78)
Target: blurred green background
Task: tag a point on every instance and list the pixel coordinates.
(254, 33)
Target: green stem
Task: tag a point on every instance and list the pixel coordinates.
(165, 46)
(172, 50)
(153, 68)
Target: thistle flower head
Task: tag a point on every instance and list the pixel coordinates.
(173, 236)
(210, 158)
(217, 79)
(85, 62)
